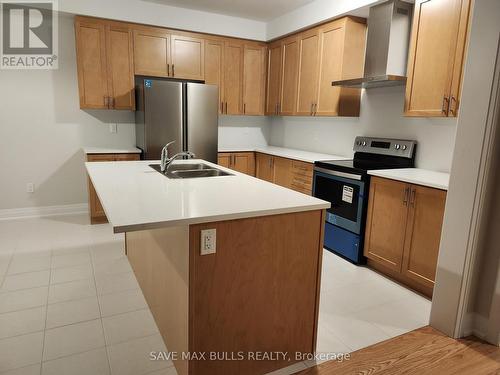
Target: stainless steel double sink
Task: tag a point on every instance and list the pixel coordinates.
(192, 170)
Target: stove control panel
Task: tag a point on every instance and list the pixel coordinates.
(385, 146)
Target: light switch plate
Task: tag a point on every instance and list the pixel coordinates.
(208, 241)
(113, 128)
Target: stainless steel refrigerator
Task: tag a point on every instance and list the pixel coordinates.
(185, 112)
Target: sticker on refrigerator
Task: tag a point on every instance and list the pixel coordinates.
(347, 193)
(148, 83)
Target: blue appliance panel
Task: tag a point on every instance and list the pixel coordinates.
(343, 242)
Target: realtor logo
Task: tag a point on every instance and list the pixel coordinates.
(29, 34)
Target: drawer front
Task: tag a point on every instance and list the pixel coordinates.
(101, 157)
(302, 168)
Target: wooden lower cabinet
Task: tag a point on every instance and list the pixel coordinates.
(403, 231)
(293, 174)
(243, 162)
(96, 211)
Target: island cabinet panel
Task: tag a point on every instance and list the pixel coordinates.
(403, 231)
(435, 64)
(288, 101)
(214, 74)
(105, 64)
(254, 79)
(160, 261)
(262, 280)
(243, 162)
(274, 72)
(188, 57)
(96, 211)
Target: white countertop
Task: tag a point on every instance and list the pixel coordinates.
(103, 150)
(136, 197)
(438, 180)
(309, 157)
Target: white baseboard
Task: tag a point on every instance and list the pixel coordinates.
(27, 212)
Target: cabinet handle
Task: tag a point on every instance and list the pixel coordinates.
(407, 193)
(453, 110)
(311, 109)
(244, 107)
(279, 108)
(412, 198)
(168, 69)
(106, 101)
(112, 102)
(226, 108)
(315, 107)
(445, 106)
(173, 70)
(221, 107)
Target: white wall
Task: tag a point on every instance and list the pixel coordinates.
(155, 13)
(243, 132)
(314, 13)
(381, 116)
(42, 130)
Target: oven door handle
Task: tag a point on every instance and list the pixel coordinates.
(338, 173)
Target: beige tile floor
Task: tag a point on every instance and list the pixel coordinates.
(70, 304)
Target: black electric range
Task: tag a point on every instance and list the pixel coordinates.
(345, 184)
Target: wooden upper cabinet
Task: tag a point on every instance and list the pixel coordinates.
(187, 57)
(92, 65)
(151, 52)
(341, 56)
(214, 75)
(386, 222)
(120, 59)
(254, 79)
(274, 70)
(308, 72)
(423, 234)
(105, 64)
(233, 77)
(290, 52)
(435, 61)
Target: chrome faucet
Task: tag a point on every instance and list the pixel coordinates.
(166, 161)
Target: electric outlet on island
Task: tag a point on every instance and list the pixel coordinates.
(113, 128)
(30, 187)
(208, 241)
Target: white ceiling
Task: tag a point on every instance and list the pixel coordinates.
(262, 10)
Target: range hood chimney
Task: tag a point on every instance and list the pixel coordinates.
(389, 27)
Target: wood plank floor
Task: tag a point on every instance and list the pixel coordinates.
(424, 352)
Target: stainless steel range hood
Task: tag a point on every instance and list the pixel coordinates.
(389, 27)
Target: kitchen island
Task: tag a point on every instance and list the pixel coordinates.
(250, 302)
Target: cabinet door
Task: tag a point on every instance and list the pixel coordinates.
(233, 77)
(151, 53)
(288, 101)
(330, 68)
(308, 72)
(91, 61)
(244, 162)
(188, 57)
(127, 157)
(264, 167)
(274, 65)
(120, 67)
(423, 234)
(254, 79)
(214, 53)
(386, 222)
(282, 171)
(224, 159)
(431, 58)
